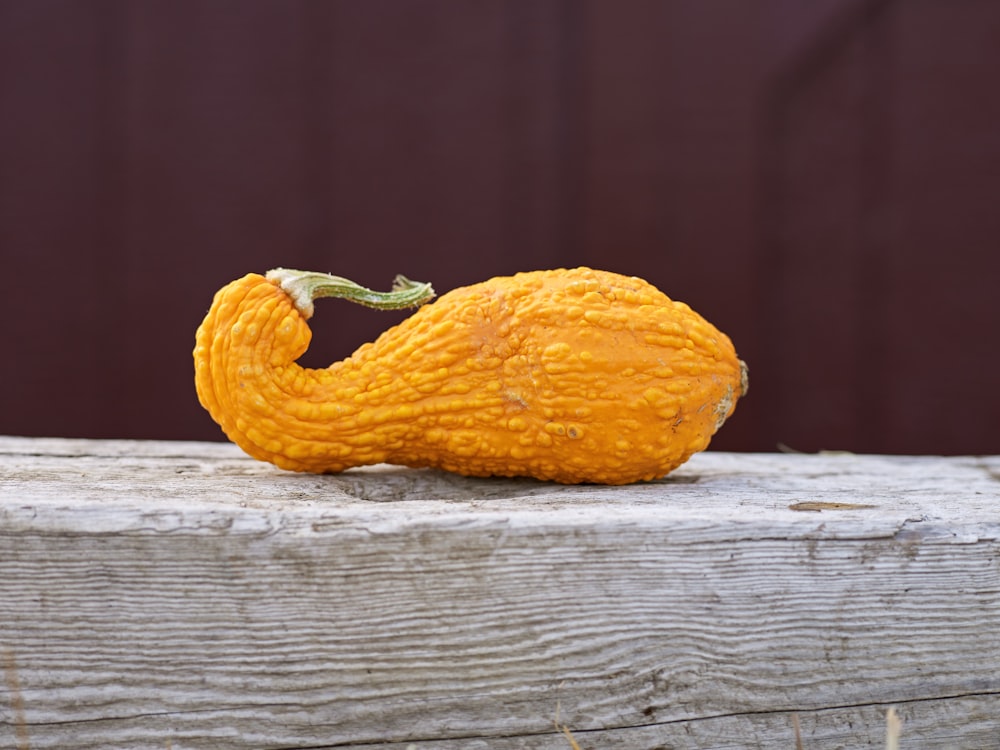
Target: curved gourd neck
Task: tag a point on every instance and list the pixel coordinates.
(264, 400)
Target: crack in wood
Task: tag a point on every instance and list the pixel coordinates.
(466, 737)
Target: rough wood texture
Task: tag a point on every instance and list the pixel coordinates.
(180, 595)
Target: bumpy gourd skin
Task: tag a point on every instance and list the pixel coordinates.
(567, 375)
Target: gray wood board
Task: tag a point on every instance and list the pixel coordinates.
(181, 595)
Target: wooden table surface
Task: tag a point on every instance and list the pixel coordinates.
(181, 595)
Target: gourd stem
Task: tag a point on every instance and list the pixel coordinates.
(305, 286)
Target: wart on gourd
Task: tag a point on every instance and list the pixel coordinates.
(570, 375)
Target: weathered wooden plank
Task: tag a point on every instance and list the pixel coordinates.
(181, 595)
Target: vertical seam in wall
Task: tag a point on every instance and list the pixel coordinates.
(873, 198)
(514, 213)
(316, 231)
(113, 259)
(571, 130)
(779, 97)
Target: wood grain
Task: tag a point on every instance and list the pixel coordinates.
(181, 595)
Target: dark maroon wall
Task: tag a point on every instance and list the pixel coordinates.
(821, 180)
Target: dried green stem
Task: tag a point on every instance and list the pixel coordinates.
(305, 286)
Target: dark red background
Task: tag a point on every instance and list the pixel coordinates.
(820, 179)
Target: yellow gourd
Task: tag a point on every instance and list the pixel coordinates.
(567, 375)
